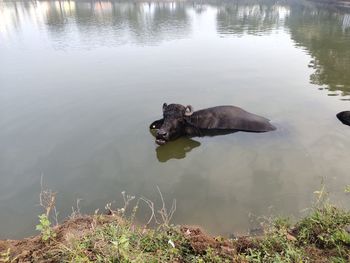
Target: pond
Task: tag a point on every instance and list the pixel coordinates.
(80, 82)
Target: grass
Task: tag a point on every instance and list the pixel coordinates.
(326, 229)
(127, 243)
(319, 237)
(44, 227)
(322, 236)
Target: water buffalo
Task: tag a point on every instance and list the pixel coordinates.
(344, 117)
(179, 120)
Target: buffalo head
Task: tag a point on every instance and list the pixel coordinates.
(173, 122)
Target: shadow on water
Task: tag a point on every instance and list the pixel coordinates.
(177, 149)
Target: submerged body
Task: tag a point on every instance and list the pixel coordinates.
(344, 117)
(179, 121)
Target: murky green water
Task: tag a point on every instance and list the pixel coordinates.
(81, 81)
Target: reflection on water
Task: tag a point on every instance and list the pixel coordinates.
(176, 149)
(90, 23)
(255, 19)
(326, 36)
(81, 81)
(324, 33)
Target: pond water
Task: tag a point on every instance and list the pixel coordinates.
(81, 81)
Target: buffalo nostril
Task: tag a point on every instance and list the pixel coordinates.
(162, 133)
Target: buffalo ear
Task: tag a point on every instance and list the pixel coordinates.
(164, 106)
(188, 110)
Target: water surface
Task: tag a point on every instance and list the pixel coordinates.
(81, 81)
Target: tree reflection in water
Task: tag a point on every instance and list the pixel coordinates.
(323, 32)
(326, 36)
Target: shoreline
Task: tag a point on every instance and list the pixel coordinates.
(323, 236)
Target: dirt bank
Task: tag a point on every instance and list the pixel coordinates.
(321, 237)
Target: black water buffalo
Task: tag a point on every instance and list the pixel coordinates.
(179, 120)
(344, 117)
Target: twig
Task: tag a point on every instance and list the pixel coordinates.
(151, 207)
(47, 198)
(166, 216)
